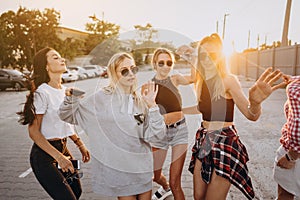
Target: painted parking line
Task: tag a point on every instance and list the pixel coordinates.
(24, 174)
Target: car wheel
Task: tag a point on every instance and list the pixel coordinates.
(18, 86)
(2, 89)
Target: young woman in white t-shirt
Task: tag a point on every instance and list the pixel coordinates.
(48, 132)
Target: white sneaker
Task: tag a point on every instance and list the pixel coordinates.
(161, 194)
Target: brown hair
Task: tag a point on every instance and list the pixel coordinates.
(40, 75)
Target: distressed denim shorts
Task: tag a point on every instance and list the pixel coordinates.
(174, 136)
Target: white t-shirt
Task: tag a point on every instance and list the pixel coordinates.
(47, 101)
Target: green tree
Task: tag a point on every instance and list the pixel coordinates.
(146, 34)
(7, 37)
(100, 31)
(27, 31)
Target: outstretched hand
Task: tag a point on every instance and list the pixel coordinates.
(149, 92)
(186, 52)
(264, 86)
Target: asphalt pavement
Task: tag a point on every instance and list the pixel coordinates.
(18, 182)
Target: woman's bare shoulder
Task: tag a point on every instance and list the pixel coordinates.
(231, 80)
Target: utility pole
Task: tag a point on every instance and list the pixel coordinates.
(284, 40)
(217, 27)
(248, 40)
(224, 22)
(266, 36)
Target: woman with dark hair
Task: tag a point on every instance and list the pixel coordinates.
(219, 157)
(48, 132)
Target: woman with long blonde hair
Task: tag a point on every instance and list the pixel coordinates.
(120, 124)
(219, 157)
(176, 136)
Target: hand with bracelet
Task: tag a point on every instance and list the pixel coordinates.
(83, 150)
(286, 161)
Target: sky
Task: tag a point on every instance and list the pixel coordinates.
(188, 20)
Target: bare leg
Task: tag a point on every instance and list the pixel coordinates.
(159, 157)
(219, 184)
(143, 196)
(283, 194)
(200, 187)
(127, 198)
(178, 157)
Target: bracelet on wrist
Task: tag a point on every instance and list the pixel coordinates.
(290, 157)
(80, 146)
(77, 140)
(287, 157)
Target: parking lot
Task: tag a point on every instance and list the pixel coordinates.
(261, 139)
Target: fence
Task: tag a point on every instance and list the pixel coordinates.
(252, 64)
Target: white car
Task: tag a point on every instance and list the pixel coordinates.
(82, 73)
(69, 75)
(96, 69)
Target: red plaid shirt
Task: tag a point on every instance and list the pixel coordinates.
(290, 138)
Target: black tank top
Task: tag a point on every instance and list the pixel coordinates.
(219, 110)
(168, 97)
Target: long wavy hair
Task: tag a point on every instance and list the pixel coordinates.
(220, 64)
(40, 75)
(112, 87)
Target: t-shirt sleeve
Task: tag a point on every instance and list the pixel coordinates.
(40, 102)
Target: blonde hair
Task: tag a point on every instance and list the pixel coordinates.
(217, 81)
(159, 51)
(112, 87)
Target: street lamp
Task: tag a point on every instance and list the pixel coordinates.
(224, 22)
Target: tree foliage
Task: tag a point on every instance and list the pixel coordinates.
(26, 32)
(100, 31)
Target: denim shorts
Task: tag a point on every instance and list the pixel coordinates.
(174, 136)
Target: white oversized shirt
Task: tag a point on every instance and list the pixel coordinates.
(47, 101)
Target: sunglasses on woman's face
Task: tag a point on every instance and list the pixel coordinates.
(125, 71)
(162, 63)
(211, 55)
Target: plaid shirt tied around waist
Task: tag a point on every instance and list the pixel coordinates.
(222, 151)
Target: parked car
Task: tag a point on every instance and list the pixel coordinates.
(104, 74)
(96, 69)
(10, 78)
(69, 76)
(82, 73)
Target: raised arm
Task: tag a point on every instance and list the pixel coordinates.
(262, 89)
(154, 127)
(69, 109)
(189, 55)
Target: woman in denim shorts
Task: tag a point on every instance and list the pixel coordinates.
(170, 105)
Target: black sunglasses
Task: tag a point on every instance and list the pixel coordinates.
(211, 55)
(71, 177)
(161, 63)
(125, 71)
